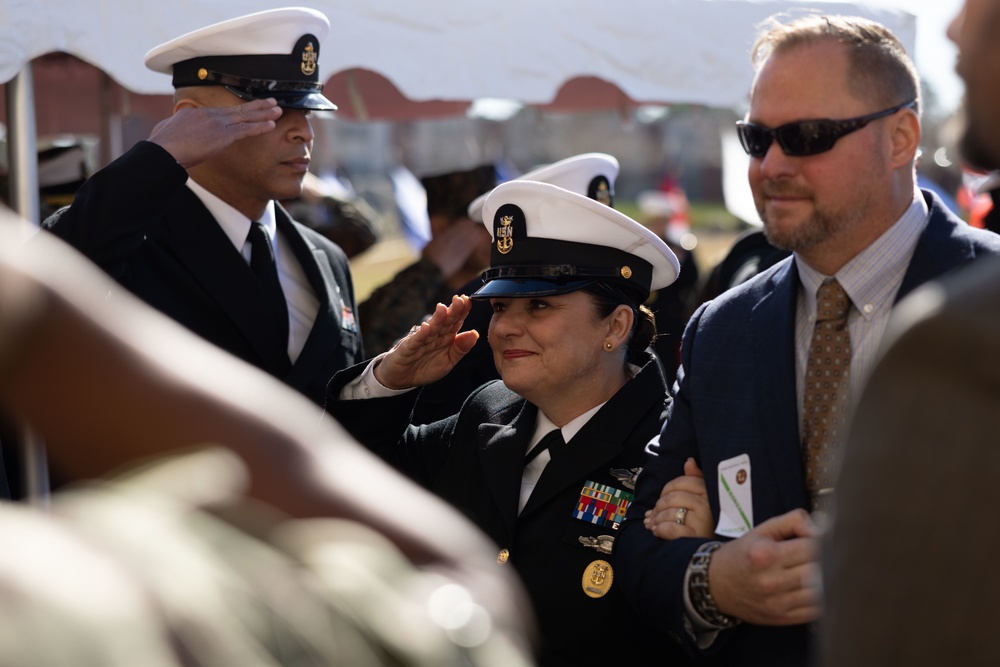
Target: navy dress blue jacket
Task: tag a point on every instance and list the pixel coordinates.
(475, 459)
(736, 395)
(139, 222)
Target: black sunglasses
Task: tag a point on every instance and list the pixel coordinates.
(805, 137)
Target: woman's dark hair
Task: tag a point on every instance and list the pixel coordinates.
(606, 299)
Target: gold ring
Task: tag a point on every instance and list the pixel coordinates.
(680, 515)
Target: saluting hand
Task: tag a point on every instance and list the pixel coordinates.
(430, 350)
(194, 134)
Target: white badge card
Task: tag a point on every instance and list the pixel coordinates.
(735, 499)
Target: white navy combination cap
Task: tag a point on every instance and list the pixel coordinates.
(274, 53)
(548, 240)
(590, 174)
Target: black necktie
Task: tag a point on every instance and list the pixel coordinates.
(263, 265)
(551, 441)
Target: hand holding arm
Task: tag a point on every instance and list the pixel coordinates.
(194, 134)
(688, 492)
(429, 351)
(770, 576)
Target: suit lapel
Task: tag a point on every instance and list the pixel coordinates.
(501, 453)
(326, 287)
(210, 256)
(937, 249)
(774, 352)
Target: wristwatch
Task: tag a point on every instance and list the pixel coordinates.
(701, 598)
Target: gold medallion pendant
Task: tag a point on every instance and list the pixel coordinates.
(597, 578)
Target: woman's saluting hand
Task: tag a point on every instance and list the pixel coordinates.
(430, 350)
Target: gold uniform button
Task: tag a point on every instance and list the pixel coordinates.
(503, 556)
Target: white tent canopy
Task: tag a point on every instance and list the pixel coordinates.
(642, 51)
(666, 51)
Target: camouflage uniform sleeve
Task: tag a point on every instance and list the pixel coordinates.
(393, 308)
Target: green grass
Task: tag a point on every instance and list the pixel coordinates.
(704, 216)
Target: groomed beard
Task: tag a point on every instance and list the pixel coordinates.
(819, 227)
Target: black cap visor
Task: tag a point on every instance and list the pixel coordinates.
(294, 98)
(272, 77)
(309, 101)
(528, 287)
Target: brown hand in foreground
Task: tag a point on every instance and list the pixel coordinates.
(688, 492)
(193, 135)
(431, 350)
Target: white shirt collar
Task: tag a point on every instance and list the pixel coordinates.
(235, 225)
(543, 424)
(877, 271)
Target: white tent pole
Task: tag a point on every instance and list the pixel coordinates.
(22, 144)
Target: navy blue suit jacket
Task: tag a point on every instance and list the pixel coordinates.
(735, 395)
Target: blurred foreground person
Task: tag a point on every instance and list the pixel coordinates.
(189, 222)
(545, 460)
(910, 568)
(215, 519)
(771, 368)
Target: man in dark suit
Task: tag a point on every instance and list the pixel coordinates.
(910, 565)
(841, 195)
(175, 219)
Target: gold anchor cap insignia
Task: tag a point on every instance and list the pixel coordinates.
(603, 194)
(309, 57)
(505, 235)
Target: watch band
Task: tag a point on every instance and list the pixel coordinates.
(701, 597)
